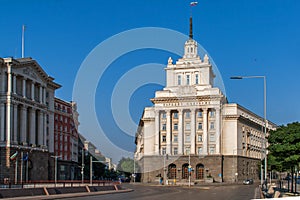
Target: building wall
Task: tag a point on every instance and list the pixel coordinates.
(191, 117)
(26, 110)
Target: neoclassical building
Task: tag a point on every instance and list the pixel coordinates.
(192, 132)
(26, 120)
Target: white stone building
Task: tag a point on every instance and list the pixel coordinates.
(191, 125)
(26, 117)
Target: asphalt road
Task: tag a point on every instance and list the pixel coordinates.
(147, 192)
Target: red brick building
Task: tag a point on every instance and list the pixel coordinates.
(66, 138)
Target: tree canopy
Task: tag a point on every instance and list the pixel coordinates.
(284, 147)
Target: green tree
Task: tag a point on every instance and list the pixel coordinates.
(284, 147)
(126, 165)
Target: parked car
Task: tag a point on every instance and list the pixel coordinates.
(248, 182)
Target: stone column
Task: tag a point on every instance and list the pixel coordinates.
(32, 91)
(40, 129)
(15, 124)
(2, 86)
(14, 83)
(44, 95)
(23, 127)
(180, 133)
(168, 150)
(24, 87)
(9, 107)
(41, 94)
(157, 118)
(193, 131)
(45, 129)
(32, 127)
(218, 131)
(2, 121)
(205, 136)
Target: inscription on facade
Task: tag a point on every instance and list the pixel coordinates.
(198, 103)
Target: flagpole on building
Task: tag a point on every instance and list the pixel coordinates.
(21, 170)
(23, 42)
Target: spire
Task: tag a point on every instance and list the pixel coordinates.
(191, 28)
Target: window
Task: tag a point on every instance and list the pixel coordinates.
(175, 138)
(212, 113)
(211, 149)
(164, 138)
(187, 150)
(175, 127)
(188, 115)
(212, 138)
(212, 125)
(197, 79)
(179, 80)
(164, 127)
(187, 79)
(200, 150)
(199, 114)
(175, 152)
(163, 151)
(187, 138)
(200, 126)
(175, 115)
(164, 115)
(199, 138)
(188, 126)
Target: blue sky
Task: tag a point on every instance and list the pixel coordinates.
(257, 37)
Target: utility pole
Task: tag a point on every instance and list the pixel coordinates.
(55, 169)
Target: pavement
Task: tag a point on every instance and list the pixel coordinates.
(62, 196)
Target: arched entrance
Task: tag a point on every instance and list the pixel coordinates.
(172, 171)
(185, 171)
(200, 171)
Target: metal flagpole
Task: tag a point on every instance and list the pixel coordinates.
(21, 170)
(23, 41)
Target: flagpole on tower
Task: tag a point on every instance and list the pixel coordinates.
(192, 4)
(23, 42)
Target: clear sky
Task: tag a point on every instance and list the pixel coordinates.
(257, 37)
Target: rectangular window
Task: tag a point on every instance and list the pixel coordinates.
(187, 138)
(197, 79)
(200, 150)
(187, 114)
(164, 115)
(211, 149)
(212, 138)
(199, 138)
(179, 80)
(199, 114)
(175, 127)
(212, 125)
(187, 150)
(212, 113)
(175, 152)
(164, 138)
(163, 151)
(175, 138)
(200, 127)
(187, 126)
(175, 115)
(188, 79)
(164, 127)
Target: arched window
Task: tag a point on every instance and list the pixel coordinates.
(185, 171)
(172, 171)
(200, 171)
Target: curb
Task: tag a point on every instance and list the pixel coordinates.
(62, 196)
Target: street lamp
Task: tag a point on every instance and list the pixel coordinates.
(55, 169)
(265, 119)
(91, 167)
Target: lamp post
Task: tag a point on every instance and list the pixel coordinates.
(264, 145)
(91, 167)
(55, 168)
